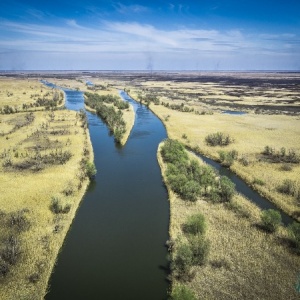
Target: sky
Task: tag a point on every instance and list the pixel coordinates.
(150, 35)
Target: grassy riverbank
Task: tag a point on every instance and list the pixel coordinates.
(251, 134)
(42, 181)
(244, 262)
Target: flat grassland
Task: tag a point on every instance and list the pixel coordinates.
(244, 262)
(18, 94)
(191, 109)
(42, 181)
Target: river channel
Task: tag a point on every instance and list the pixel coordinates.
(115, 248)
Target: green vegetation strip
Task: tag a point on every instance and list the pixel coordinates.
(111, 114)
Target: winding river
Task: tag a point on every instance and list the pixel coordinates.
(115, 248)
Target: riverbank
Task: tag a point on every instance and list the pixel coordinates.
(42, 183)
(250, 133)
(244, 262)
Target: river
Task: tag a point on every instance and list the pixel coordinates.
(115, 248)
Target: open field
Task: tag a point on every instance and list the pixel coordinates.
(42, 181)
(27, 95)
(244, 262)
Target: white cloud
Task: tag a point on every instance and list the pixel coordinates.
(113, 41)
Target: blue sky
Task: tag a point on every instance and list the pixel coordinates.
(143, 35)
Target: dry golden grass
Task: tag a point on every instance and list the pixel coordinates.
(237, 91)
(16, 92)
(244, 262)
(33, 191)
(251, 133)
(128, 116)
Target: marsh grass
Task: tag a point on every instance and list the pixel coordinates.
(18, 95)
(27, 195)
(244, 262)
(251, 133)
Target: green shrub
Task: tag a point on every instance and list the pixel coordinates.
(90, 169)
(182, 261)
(228, 157)
(227, 189)
(177, 182)
(294, 231)
(181, 292)
(218, 139)
(283, 155)
(195, 224)
(191, 190)
(200, 249)
(288, 187)
(173, 152)
(271, 219)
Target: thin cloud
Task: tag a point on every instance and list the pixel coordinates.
(130, 38)
(129, 9)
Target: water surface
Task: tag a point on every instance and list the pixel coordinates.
(115, 247)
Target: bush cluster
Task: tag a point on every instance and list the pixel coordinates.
(218, 139)
(283, 155)
(148, 98)
(294, 230)
(182, 292)
(290, 187)
(37, 161)
(190, 180)
(194, 252)
(228, 157)
(180, 107)
(271, 219)
(57, 207)
(11, 247)
(90, 169)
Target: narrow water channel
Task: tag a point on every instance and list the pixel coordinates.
(115, 247)
(246, 190)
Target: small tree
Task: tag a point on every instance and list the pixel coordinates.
(181, 292)
(271, 219)
(195, 224)
(227, 189)
(294, 230)
(200, 248)
(182, 261)
(91, 170)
